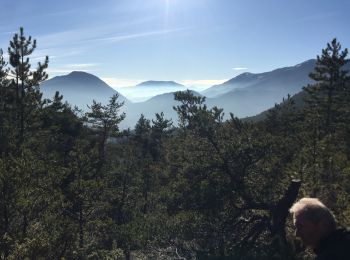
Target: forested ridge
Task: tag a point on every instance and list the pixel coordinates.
(73, 186)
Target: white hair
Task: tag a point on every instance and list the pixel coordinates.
(314, 210)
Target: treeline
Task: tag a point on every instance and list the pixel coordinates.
(72, 186)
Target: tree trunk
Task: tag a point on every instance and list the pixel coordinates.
(280, 211)
(6, 218)
(81, 226)
(127, 253)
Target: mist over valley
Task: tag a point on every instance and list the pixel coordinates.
(245, 95)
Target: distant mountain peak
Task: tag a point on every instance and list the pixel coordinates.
(81, 74)
(241, 77)
(78, 72)
(311, 61)
(245, 74)
(159, 83)
(80, 88)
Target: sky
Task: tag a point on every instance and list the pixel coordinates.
(193, 42)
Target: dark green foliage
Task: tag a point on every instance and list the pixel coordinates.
(75, 187)
(326, 96)
(24, 86)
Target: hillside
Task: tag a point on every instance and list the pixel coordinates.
(160, 103)
(246, 95)
(80, 89)
(281, 80)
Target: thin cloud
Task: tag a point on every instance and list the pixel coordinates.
(8, 32)
(55, 53)
(239, 68)
(317, 17)
(83, 39)
(67, 68)
(82, 65)
(138, 35)
(62, 13)
(58, 39)
(121, 82)
(39, 58)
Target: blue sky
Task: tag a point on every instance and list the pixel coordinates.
(194, 42)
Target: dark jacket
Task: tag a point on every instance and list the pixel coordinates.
(335, 247)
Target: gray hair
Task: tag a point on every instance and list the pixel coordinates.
(314, 210)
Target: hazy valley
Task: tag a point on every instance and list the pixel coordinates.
(139, 156)
(245, 95)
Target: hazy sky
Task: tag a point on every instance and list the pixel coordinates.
(189, 41)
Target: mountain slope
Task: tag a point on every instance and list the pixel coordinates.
(80, 89)
(299, 101)
(257, 93)
(160, 103)
(286, 80)
(248, 94)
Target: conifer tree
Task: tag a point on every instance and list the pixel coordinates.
(4, 100)
(104, 120)
(25, 82)
(160, 129)
(325, 94)
(20, 105)
(324, 110)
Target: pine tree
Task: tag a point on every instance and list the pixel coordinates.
(104, 120)
(160, 129)
(324, 110)
(325, 94)
(4, 106)
(20, 105)
(25, 83)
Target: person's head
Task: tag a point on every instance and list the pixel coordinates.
(313, 221)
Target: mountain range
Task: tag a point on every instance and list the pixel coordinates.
(282, 80)
(245, 95)
(249, 94)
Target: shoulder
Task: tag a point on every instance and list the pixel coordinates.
(336, 246)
